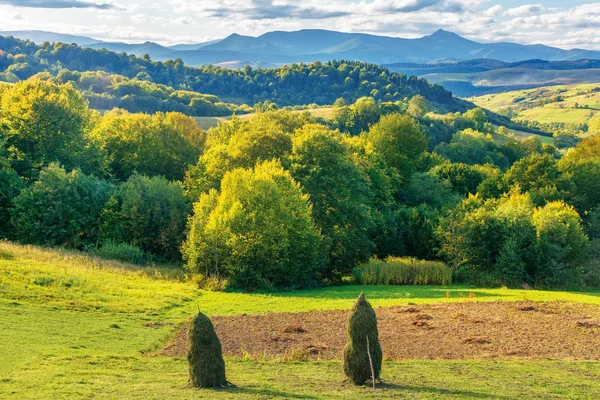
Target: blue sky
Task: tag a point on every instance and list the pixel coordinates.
(566, 23)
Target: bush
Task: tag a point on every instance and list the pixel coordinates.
(362, 324)
(60, 209)
(205, 355)
(150, 213)
(403, 271)
(123, 252)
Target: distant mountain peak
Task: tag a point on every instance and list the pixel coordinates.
(443, 34)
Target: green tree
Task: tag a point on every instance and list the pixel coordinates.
(150, 213)
(321, 162)
(242, 144)
(43, 123)
(476, 234)
(539, 175)
(153, 145)
(561, 244)
(258, 231)
(363, 348)
(60, 209)
(400, 143)
(418, 107)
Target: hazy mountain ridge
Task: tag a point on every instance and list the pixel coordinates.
(484, 76)
(279, 47)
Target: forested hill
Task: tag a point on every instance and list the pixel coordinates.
(296, 84)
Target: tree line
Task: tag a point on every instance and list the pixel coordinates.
(296, 84)
(281, 200)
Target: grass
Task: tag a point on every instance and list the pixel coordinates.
(562, 112)
(165, 378)
(210, 122)
(79, 327)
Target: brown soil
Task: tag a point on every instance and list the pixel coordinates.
(442, 331)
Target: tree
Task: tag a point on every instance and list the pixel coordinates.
(561, 243)
(10, 186)
(539, 175)
(581, 166)
(418, 107)
(321, 162)
(60, 209)
(472, 147)
(153, 145)
(476, 233)
(400, 143)
(205, 355)
(363, 349)
(478, 116)
(242, 144)
(43, 123)
(594, 125)
(150, 213)
(258, 231)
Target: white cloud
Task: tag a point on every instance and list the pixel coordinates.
(525, 10)
(574, 24)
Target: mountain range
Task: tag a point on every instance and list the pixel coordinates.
(279, 47)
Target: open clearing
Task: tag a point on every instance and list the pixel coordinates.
(442, 331)
(578, 103)
(77, 327)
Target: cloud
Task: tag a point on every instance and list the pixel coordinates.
(525, 10)
(56, 4)
(409, 6)
(494, 11)
(269, 9)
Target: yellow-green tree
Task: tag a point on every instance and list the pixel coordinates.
(258, 231)
(399, 141)
(153, 145)
(42, 123)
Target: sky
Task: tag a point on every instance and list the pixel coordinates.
(565, 23)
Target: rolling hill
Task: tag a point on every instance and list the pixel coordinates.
(564, 104)
(279, 47)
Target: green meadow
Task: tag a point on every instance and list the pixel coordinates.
(78, 327)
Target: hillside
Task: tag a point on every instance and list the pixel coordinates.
(297, 84)
(308, 45)
(566, 104)
(485, 76)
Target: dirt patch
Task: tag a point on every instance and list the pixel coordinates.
(443, 331)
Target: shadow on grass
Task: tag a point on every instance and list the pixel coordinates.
(439, 391)
(381, 389)
(269, 393)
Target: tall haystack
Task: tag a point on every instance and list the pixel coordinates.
(205, 355)
(362, 324)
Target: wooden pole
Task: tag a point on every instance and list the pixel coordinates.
(371, 363)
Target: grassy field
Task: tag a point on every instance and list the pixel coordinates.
(570, 110)
(210, 122)
(77, 327)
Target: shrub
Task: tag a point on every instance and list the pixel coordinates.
(403, 271)
(125, 252)
(362, 324)
(150, 213)
(10, 186)
(60, 209)
(205, 356)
